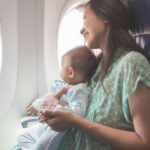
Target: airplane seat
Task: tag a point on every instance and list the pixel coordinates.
(141, 33)
(141, 28)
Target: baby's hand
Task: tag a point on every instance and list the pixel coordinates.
(43, 118)
(31, 110)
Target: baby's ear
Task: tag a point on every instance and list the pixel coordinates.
(71, 72)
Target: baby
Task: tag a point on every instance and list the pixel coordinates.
(78, 66)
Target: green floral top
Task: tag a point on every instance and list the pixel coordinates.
(111, 109)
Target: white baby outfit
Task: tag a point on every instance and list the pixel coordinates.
(40, 136)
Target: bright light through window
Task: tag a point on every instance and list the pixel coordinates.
(69, 35)
(0, 49)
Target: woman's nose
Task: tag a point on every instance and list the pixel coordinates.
(82, 30)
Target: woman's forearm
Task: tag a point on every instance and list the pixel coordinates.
(117, 139)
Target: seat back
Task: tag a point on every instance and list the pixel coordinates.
(141, 29)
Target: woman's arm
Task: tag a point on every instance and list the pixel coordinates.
(139, 103)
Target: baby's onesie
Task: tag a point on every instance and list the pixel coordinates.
(44, 137)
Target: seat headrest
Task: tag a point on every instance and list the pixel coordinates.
(141, 28)
(141, 10)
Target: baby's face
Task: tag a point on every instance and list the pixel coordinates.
(64, 74)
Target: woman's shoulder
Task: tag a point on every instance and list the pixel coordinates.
(133, 55)
(135, 59)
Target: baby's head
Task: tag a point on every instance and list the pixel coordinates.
(78, 65)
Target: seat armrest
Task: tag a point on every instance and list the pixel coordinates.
(26, 120)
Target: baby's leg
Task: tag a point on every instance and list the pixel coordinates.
(42, 142)
(55, 141)
(29, 136)
(50, 140)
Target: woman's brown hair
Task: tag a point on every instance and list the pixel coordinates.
(120, 18)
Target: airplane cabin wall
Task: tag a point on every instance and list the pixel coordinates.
(23, 27)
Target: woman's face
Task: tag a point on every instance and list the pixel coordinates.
(96, 29)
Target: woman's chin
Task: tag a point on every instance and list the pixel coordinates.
(92, 46)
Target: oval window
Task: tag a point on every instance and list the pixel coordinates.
(69, 34)
(1, 50)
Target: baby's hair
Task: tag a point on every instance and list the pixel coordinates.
(83, 61)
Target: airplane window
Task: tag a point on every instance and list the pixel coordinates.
(0, 50)
(69, 34)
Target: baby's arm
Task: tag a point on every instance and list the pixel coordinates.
(35, 104)
(34, 107)
(78, 101)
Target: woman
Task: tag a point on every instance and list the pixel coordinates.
(118, 114)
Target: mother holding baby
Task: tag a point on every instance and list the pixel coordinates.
(118, 115)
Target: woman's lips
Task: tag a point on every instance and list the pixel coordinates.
(85, 36)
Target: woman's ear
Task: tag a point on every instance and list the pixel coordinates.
(71, 72)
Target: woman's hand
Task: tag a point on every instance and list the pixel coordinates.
(58, 120)
(51, 100)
